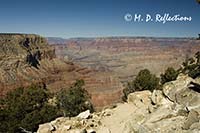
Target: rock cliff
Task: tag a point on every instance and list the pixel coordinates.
(27, 59)
(21, 55)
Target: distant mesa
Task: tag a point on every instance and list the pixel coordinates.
(56, 40)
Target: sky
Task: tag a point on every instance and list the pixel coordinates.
(97, 18)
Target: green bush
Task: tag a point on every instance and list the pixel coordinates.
(143, 81)
(169, 75)
(74, 100)
(26, 108)
(191, 66)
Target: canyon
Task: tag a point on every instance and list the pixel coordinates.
(27, 59)
(126, 56)
(105, 64)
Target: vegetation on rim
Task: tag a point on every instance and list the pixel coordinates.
(143, 81)
(26, 108)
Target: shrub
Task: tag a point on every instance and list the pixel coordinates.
(191, 66)
(146, 81)
(26, 108)
(143, 81)
(74, 100)
(169, 75)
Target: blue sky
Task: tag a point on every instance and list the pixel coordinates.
(96, 18)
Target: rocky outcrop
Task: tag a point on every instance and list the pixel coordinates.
(20, 58)
(146, 112)
(174, 110)
(181, 92)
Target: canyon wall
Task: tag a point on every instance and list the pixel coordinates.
(126, 56)
(27, 59)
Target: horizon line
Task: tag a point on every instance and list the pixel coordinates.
(100, 37)
(106, 36)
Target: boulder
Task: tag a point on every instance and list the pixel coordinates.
(84, 115)
(140, 99)
(180, 91)
(158, 98)
(189, 98)
(171, 89)
(45, 128)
